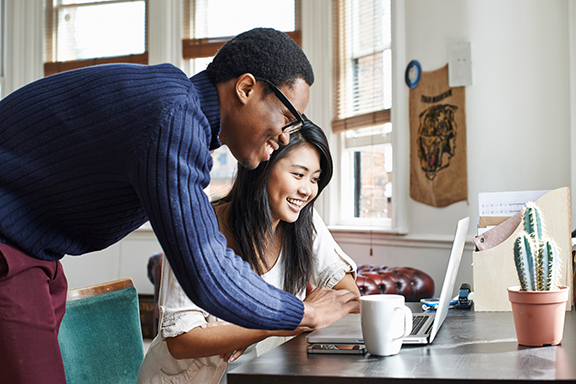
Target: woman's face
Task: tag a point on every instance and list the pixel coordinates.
(293, 182)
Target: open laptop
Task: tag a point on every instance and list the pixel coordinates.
(348, 330)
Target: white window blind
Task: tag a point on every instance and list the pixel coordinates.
(363, 64)
(362, 105)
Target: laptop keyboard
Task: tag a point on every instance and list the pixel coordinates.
(417, 323)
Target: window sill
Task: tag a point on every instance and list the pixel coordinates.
(383, 237)
(359, 229)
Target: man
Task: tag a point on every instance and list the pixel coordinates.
(89, 155)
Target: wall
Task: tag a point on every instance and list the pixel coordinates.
(127, 258)
(518, 108)
(518, 115)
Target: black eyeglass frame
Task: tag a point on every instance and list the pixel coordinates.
(296, 124)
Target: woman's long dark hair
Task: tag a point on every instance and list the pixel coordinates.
(250, 218)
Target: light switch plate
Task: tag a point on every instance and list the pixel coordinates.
(459, 65)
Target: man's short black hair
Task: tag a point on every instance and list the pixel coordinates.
(264, 52)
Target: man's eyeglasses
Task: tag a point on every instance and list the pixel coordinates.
(296, 124)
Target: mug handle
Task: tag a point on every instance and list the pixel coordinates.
(407, 321)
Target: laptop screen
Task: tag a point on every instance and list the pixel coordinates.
(451, 272)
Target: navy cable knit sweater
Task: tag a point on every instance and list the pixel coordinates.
(87, 156)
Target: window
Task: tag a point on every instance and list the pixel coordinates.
(207, 28)
(80, 33)
(363, 102)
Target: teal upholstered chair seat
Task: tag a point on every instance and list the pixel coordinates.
(100, 336)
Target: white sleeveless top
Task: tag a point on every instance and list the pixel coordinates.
(178, 315)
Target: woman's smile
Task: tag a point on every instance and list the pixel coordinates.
(293, 182)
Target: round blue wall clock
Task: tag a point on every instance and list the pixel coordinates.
(413, 74)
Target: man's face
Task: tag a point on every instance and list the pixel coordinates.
(255, 130)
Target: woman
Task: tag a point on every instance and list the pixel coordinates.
(268, 219)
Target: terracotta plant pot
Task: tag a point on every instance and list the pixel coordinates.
(539, 315)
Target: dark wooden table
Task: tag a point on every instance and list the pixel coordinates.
(471, 346)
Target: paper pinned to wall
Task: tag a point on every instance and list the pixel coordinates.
(505, 204)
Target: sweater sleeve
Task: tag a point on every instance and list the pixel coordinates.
(173, 174)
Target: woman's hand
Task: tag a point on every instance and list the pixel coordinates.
(232, 356)
(213, 324)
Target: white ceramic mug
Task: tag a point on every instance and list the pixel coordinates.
(385, 321)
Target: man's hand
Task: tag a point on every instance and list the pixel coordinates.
(324, 306)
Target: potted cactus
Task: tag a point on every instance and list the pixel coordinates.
(538, 304)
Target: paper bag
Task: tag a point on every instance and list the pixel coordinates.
(438, 170)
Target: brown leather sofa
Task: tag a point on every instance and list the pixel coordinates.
(411, 283)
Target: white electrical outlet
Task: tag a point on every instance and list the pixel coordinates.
(459, 65)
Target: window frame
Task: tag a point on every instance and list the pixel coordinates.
(193, 48)
(2, 46)
(398, 116)
(51, 66)
(348, 167)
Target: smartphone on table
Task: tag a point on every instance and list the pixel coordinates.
(340, 349)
